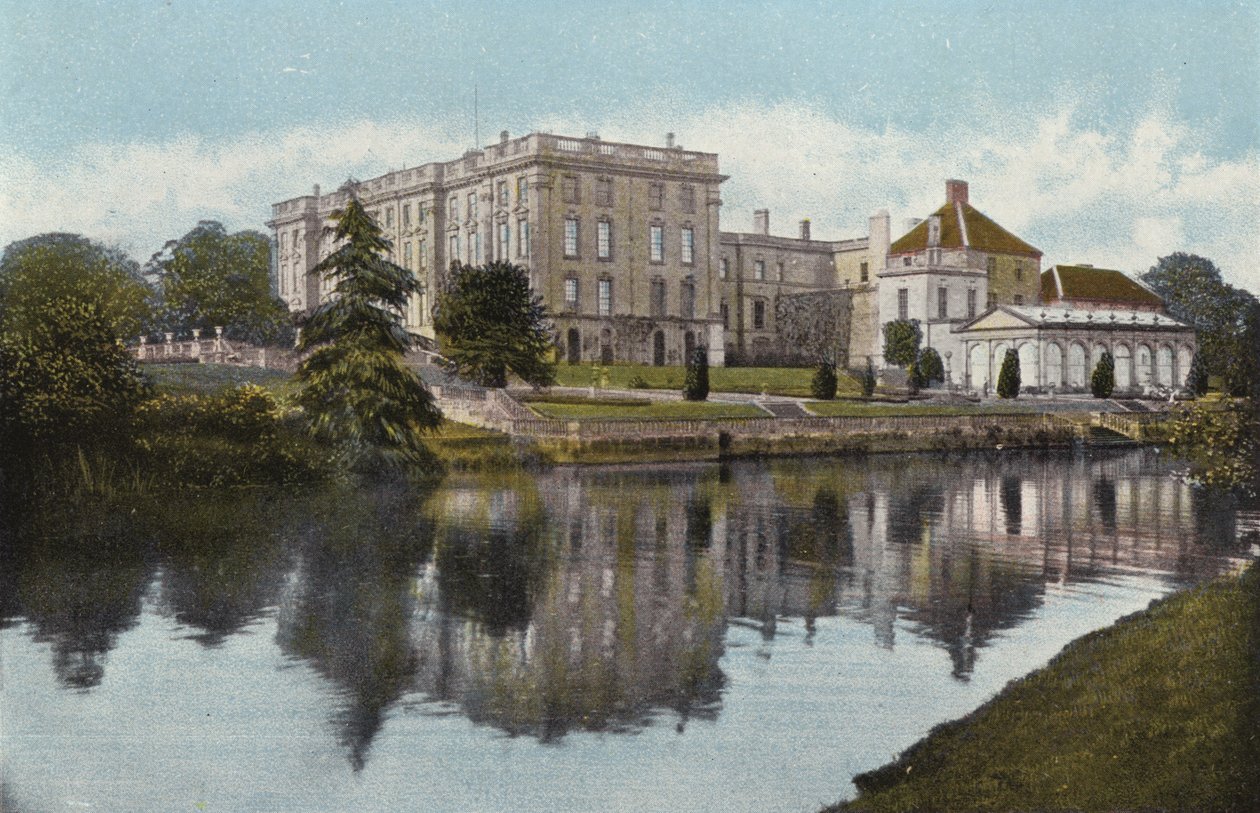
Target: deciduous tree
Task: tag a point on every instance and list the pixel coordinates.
(490, 323)
(356, 389)
(901, 342)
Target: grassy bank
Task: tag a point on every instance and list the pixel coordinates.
(644, 411)
(1159, 712)
(792, 381)
(875, 409)
(211, 379)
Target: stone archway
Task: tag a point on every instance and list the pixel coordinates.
(1078, 368)
(1124, 366)
(978, 361)
(1054, 366)
(1144, 366)
(1164, 366)
(1029, 374)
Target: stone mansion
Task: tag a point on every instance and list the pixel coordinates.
(622, 241)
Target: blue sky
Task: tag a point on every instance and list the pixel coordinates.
(1105, 132)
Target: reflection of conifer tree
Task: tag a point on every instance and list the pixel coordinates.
(354, 601)
(1012, 505)
(1105, 499)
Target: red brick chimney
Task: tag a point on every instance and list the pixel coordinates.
(955, 191)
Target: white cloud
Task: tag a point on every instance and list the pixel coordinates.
(1081, 193)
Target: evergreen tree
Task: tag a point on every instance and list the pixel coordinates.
(1103, 381)
(868, 379)
(490, 323)
(823, 387)
(696, 385)
(1197, 377)
(357, 392)
(931, 368)
(1008, 377)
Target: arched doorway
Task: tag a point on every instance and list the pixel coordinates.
(658, 349)
(1054, 366)
(1029, 375)
(573, 346)
(1164, 366)
(979, 363)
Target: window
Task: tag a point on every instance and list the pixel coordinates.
(570, 237)
(605, 297)
(453, 214)
(779, 272)
(503, 193)
(942, 303)
(284, 241)
(475, 239)
(1019, 275)
(569, 185)
(903, 303)
(1019, 299)
(658, 297)
(522, 190)
(726, 314)
(688, 245)
(906, 260)
(571, 293)
(971, 303)
(759, 314)
(502, 249)
(603, 191)
(389, 216)
(522, 238)
(724, 268)
(656, 196)
(687, 300)
(687, 199)
(284, 279)
(472, 205)
(407, 255)
(864, 272)
(759, 269)
(406, 215)
(991, 265)
(656, 243)
(422, 256)
(603, 240)
(991, 301)
(454, 249)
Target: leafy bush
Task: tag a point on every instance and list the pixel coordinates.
(931, 369)
(1009, 377)
(1103, 380)
(1222, 445)
(901, 341)
(696, 385)
(823, 385)
(638, 382)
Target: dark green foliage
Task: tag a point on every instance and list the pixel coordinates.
(1221, 444)
(868, 379)
(696, 384)
(1008, 377)
(210, 278)
(823, 385)
(357, 392)
(490, 323)
(901, 342)
(65, 379)
(53, 268)
(1197, 377)
(931, 369)
(1227, 318)
(1103, 380)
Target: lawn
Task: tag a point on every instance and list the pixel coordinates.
(207, 379)
(1158, 712)
(571, 410)
(771, 380)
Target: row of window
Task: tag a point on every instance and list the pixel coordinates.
(604, 241)
(942, 302)
(759, 270)
(571, 191)
(657, 299)
(468, 250)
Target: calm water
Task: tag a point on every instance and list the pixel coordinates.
(698, 637)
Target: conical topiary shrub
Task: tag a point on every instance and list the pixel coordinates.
(823, 387)
(696, 385)
(1103, 381)
(1008, 377)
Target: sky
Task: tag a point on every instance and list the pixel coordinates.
(1110, 133)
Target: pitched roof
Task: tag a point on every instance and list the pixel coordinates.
(980, 232)
(1005, 316)
(1086, 283)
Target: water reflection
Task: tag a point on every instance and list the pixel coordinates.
(601, 598)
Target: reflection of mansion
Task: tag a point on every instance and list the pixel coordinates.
(622, 241)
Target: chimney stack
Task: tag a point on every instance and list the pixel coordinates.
(955, 191)
(761, 221)
(669, 140)
(503, 136)
(315, 191)
(805, 229)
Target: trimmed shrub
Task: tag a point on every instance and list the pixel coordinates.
(823, 386)
(1008, 377)
(1103, 381)
(931, 368)
(868, 379)
(696, 385)
(914, 377)
(1197, 377)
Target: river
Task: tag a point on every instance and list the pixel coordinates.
(695, 637)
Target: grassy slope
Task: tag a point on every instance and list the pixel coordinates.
(659, 410)
(878, 410)
(1159, 712)
(206, 379)
(773, 380)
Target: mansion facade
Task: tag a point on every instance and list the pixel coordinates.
(622, 242)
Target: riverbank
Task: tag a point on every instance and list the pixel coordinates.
(1159, 712)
